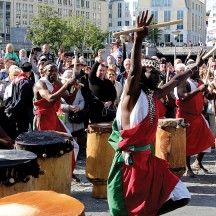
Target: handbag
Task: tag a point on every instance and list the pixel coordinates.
(109, 112)
(77, 117)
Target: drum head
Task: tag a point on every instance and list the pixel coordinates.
(103, 127)
(17, 166)
(49, 143)
(14, 157)
(171, 122)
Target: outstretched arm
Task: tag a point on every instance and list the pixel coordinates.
(181, 78)
(132, 88)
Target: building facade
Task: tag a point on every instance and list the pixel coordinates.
(15, 15)
(122, 15)
(193, 12)
(211, 29)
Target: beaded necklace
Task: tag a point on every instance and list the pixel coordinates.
(151, 104)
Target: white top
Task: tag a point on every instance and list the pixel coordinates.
(193, 86)
(138, 113)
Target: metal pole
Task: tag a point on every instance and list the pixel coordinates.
(175, 52)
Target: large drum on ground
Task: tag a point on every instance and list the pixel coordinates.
(99, 157)
(171, 144)
(40, 203)
(54, 151)
(18, 171)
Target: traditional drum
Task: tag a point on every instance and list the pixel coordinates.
(54, 151)
(40, 203)
(18, 170)
(171, 144)
(99, 156)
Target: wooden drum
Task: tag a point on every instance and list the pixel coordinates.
(40, 203)
(54, 151)
(171, 144)
(18, 170)
(99, 157)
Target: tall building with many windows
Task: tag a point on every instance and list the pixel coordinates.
(211, 29)
(193, 13)
(15, 15)
(122, 15)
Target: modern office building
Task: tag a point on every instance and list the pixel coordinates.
(192, 12)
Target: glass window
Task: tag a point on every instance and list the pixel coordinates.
(78, 3)
(64, 2)
(87, 4)
(119, 10)
(119, 23)
(155, 13)
(167, 37)
(82, 3)
(167, 15)
(127, 23)
(180, 15)
(87, 15)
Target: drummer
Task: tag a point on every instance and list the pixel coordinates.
(48, 92)
(140, 183)
(190, 102)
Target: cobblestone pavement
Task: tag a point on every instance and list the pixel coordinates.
(202, 189)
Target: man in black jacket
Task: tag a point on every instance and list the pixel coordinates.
(103, 94)
(19, 107)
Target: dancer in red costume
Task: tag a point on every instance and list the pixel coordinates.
(48, 92)
(139, 183)
(190, 102)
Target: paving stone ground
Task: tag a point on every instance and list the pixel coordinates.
(202, 189)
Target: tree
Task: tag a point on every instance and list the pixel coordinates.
(154, 34)
(48, 28)
(84, 34)
(75, 31)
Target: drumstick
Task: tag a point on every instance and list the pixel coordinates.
(160, 84)
(66, 79)
(117, 34)
(209, 53)
(167, 75)
(207, 75)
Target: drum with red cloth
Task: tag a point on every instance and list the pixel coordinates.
(41, 203)
(171, 144)
(18, 171)
(99, 157)
(54, 151)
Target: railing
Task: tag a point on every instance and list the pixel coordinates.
(181, 50)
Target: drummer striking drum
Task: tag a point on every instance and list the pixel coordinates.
(140, 183)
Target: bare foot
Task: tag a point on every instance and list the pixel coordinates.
(200, 167)
(190, 174)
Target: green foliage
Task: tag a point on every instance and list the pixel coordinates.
(58, 32)
(154, 34)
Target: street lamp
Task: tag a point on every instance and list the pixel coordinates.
(199, 28)
(0, 45)
(164, 37)
(175, 34)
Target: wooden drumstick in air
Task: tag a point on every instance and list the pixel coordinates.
(66, 79)
(117, 34)
(209, 53)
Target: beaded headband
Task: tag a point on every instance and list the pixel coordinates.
(150, 63)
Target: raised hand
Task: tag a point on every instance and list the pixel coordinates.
(143, 21)
(199, 60)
